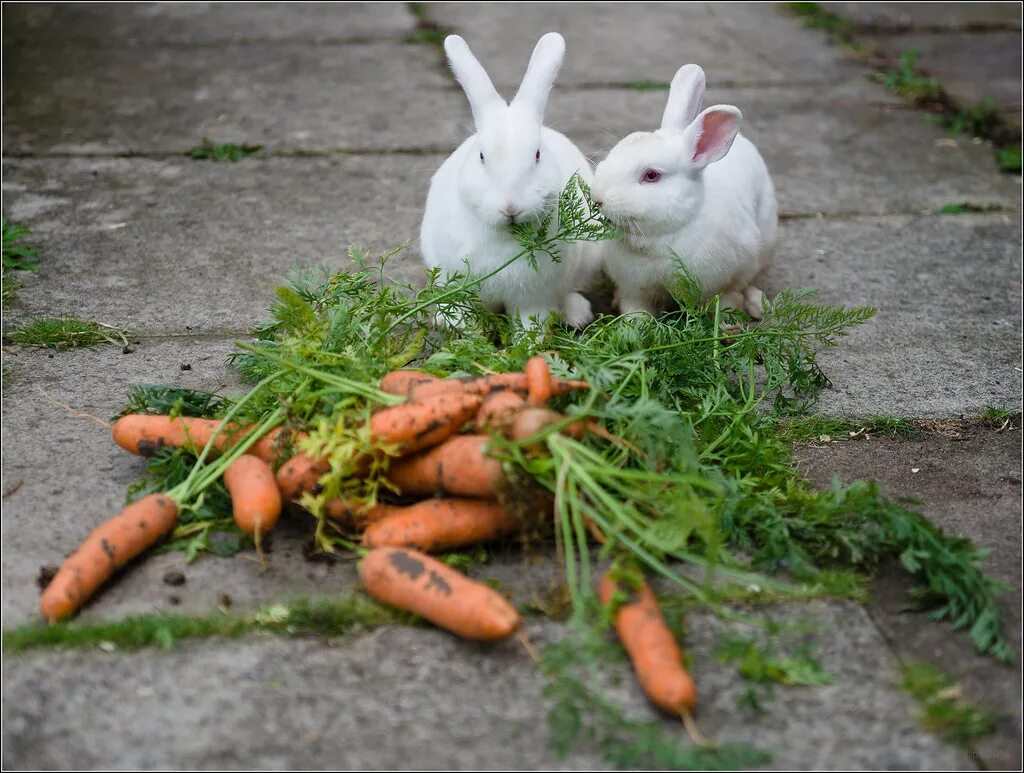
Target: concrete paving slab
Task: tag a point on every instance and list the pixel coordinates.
(619, 43)
(183, 246)
(897, 17)
(946, 340)
(378, 96)
(418, 698)
(826, 147)
(198, 24)
(970, 67)
(968, 482)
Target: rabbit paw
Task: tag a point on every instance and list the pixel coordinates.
(576, 311)
(753, 298)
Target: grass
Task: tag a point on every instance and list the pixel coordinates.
(426, 32)
(815, 17)
(908, 82)
(966, 208)
(306, 617)
(16, 257)
(65, 333)
(208, 150)
(1008, 159)
(811, 429)
(942, 707)
(650, 85)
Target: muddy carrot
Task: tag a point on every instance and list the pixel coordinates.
(353, 515)
(486, 385)
(657, 659)
(498, 410)
(459, 466)
(417, 425)
(538, 381)
(110, 546)
(298, 475)
(255, 497)
(442, 524)
(145, 434)
(417, 583)
(399, 382)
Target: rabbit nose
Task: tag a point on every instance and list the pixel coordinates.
(511, 211)
(598, 202)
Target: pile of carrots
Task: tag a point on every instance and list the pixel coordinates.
(432, 458)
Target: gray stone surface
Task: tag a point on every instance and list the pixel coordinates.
(968, 480)
(897, 17)
(418, 698)
(373, 96)
(622, 43)
(179, 246)
(946, 340)
(197, 24)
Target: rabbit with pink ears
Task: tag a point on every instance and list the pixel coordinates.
(695, 191)
(509, 171)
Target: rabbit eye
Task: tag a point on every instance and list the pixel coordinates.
(537, 157)
(651, 176)
(481, 156)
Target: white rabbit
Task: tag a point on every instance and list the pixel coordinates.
(696, 188)
(508, 172)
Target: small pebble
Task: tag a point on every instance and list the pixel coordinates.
(108, 646)
(173, 600)
(186, 366)
(174, 578)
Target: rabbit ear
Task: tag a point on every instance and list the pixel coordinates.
(480, 92)
(684, 98)
(711, 134)
(541, 73)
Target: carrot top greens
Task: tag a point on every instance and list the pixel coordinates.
(699, 485)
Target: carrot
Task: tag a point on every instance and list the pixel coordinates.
(299, 474)
(498, 410)
(652, 648)
(487, 385)
(399, 382)
(414, 426)
(442, 524)
(458, 466)
(538, 381)
(110, 546)
(352, 515)
(255, 498)
(144, 434)
(420, 584)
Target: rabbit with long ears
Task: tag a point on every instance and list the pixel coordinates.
(508, 172)
(695, 191)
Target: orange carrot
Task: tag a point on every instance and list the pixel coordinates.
(353, 515)
(442, 524)
(498, 410)
(538, 381)
(144, 434)
(486, 385)
(110, 546)
(417, 425)
(300, 474)
(255, 498)
(399, 382)
(420, 584)
(459, 466)
(652, 648)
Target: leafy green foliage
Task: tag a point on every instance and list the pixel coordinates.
(942, 707)
(815, 428)
(170, 401)
(1008, 159)
(63, 333)
(305, 617)
(981, 120)
(208, 150)
(16, 257)
(760, 666)
(908, 82)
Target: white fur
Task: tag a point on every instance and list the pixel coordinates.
(714, 205)
(468, 204)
